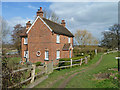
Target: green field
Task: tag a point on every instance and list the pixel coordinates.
(86, 79)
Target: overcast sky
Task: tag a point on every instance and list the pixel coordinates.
(92, 16)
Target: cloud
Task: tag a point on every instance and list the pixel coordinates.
(31, 7)
(14, 21)
(60, 1)
(18, 20)
(92, 16)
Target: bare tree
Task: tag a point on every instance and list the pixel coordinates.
(5, 29)
(16, 36)
(111, 37)
(51, 15)
(83, 37)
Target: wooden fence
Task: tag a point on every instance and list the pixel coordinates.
(48, 69)
(81, 61)
(31, 79)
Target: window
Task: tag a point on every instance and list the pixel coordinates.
(58, 39)
(46, 55)
(68, 39)
(25, 40)
(58, 54)
(25, 54)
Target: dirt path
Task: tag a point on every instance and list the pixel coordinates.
(61, 77)
(65, 82)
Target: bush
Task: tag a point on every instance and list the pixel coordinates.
(28, 63)
(92, 53)
(38, 63)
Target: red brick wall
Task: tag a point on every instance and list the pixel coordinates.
(41, 38)
(24, 47)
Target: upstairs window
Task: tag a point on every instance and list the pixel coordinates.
(46, 55)
(25, 40)
(58, 39)
(58, 54)
(68, 39)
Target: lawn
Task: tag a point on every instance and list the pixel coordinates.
(58, 76)
(88, 79)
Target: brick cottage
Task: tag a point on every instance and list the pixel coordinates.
(45, 40)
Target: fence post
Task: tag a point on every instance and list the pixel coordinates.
(71, 62)
(85, 60)
(45, 68)
(96, 51)
(33, 73)
(81, 61)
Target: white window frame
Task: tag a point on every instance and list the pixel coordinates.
(58, 39)
(26, 55)
(46, 57)
(25, 40)
(58, 56)
(69, 40)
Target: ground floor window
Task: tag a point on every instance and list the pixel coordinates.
(46, 55)
(26, 55)
(58, 54)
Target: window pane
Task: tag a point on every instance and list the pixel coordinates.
(69, 40)
(58, 39)
(46, 55)
(25, 40)
(58, 54)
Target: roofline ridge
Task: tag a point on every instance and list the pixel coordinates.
(53, 21)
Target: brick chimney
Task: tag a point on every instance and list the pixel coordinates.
(40, 12)
(63, 23)
(28, 24)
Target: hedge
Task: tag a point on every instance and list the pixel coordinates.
(38, 63)
(92, 53)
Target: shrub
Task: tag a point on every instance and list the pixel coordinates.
(92, 53)
(28, 63)
(38, 63)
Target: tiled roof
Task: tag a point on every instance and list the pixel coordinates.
(57, 28)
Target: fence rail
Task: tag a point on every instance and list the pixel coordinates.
(48, 69)
(23, 69)
(28, 79)
(82, 60)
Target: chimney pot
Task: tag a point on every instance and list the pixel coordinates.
(28, 24)
(40, 12)
(63, 23)
(40, 8)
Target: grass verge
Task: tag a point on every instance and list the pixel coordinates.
(88, 79)
(58, 76)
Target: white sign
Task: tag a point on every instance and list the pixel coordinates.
(117, 57)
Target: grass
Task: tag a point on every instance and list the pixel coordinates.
(87, 79)
(64, 73)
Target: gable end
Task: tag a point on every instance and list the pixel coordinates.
(34, 23)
